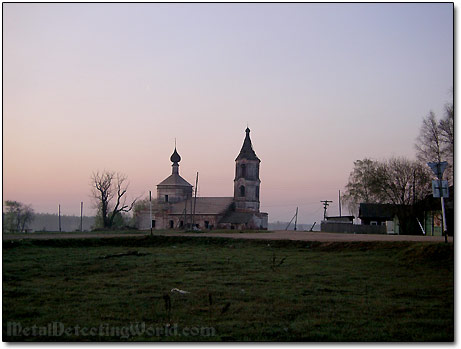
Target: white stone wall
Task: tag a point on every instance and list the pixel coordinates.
(174, 193)
(162, 220)
(250, 180)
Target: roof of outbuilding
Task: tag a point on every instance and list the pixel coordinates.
(176, 180)
(247, 151)
(377, 210)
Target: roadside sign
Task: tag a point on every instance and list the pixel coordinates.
(436, 189)
(438, 168)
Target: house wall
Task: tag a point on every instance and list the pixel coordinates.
(433, 223)
(367, 221)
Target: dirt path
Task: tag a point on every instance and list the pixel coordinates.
(276, 235)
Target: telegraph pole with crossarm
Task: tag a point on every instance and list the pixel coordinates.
(326, 203)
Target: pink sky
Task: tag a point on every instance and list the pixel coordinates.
(88, 87)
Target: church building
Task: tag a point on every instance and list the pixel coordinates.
(176, 208)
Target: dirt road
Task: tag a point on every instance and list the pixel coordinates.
(276, 235)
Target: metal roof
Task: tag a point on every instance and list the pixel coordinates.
(247, 151)
(175, 180)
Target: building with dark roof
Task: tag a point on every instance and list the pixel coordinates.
(376, 214)
(175, 207)
(381, 215)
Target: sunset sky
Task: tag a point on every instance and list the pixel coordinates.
(89, 87)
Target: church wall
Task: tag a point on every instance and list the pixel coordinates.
(261, 221)
(162, 220)
(249, 202)
(174, 194)
(258, 221)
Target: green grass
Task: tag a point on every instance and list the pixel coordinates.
(375, 291)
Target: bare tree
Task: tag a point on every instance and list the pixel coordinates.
(435, 142)
(447, 135)
(397, 181)
(109, 191)
(401, 181)
(17, 216)
(360, 187)
(429, 142)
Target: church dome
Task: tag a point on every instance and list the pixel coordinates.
(175, 156)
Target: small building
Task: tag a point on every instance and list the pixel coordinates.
(176, 208)
(380, 215)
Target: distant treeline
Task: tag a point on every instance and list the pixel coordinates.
(50, 222)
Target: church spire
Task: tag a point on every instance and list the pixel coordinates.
(247, 151)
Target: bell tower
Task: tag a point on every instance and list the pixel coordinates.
(246, 181)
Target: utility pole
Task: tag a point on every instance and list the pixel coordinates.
(59, 215)
(438, 168)
(150, 210)
(81, 216)
(184, 224)
(195, 201)
(191, 212)
(326, 203)
(339, 203)
(296, 219)
(295, 216)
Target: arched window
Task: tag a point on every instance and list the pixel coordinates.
(243, 171)
(242, 190)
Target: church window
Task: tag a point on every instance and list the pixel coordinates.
(171, 224)
(166, 198)
(257, 192)
(243, 171)
(242, 190)
(207, 224)
(153, 223)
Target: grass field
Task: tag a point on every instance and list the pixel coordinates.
(239, 290)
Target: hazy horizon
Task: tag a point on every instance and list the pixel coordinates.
(88, 87)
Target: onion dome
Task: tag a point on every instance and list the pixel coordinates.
(175, 158)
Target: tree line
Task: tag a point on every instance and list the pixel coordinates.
(401, 181)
